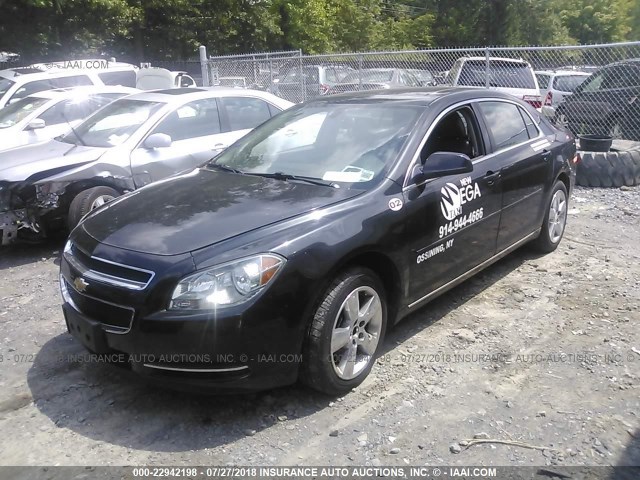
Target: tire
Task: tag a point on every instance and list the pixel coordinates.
(609, 169)
(556, 216)
(335, 363)
(86, 201)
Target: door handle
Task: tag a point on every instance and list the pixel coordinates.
(546, 155)
(492, 177)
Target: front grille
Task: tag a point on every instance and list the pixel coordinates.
(114, 318)
(106, 271)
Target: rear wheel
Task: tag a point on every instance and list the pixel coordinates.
(88, 200)
(555, 220)
(346, 333)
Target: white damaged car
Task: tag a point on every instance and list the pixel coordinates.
(133, 141)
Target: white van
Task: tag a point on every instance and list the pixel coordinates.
(509, 75)
(17, 83)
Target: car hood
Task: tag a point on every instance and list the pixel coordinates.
(198, 209)
(49, 157)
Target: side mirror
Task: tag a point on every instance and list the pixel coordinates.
(157, 140)
(443, 164)
(36, 124)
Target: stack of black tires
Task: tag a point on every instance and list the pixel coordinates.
(609, 169)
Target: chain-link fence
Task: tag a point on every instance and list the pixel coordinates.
(591, 89)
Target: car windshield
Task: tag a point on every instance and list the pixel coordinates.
(344, 143)
(18, 111)
(501, 74)
(379, 76)
(568, 83)
(5, 85)
(113, 124)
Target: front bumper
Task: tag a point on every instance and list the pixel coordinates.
(233, 350)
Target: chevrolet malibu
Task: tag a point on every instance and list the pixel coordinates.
(289, 255)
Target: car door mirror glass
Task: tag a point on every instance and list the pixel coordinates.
(443, 164)
(36, 124)
(157, 140)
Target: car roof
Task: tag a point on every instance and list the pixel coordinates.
(30, 73)
(61, 93)
(562, 73)
(497, 59)
(186, 94)
(422, 96)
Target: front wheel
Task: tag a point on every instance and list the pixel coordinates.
(88, 200)
(346, 333)
(555, 220)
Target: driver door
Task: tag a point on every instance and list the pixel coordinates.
(452, 222)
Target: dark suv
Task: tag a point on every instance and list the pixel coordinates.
(606, 103)
(315, 80)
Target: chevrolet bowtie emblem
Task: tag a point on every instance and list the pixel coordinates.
(80, 284)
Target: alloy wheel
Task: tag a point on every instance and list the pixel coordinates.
(356, 332)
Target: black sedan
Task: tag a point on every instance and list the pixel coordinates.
(289, 255)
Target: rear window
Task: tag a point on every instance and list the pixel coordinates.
(5, 85)
(501, 74)
(568, 83)
(125, 78)
(375, 76)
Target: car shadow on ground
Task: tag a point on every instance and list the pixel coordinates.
(438, 308)
(111, 404)
(24, 253)
(630, 458)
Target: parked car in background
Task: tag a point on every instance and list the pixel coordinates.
(234, 82)
(109, 71)
(45, 115)
(375, 79)
(606, 103)
(130, 143)
(555, 85)
(425, 78)
(310, 82)
(156, 78)
(308, 252)
(17, 83)
(508, 75)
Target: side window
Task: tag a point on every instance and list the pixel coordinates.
(625, 77)
(543, 80)
(245, 113)
(126, 78)
(74, 81)
(456, 132)
(505, 123)
(194, 119)
(532, 130)
(32, 87)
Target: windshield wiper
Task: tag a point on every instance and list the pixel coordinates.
(287, 176)
(225, 168)
(78, 137)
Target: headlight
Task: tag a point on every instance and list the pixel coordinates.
(229, 284)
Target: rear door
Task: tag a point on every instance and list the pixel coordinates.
(521, 154)
(196, 135)
(452, 222)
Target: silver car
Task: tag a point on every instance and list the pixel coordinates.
(46, 115)
(126, 145)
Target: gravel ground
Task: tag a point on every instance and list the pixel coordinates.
(539, 353)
